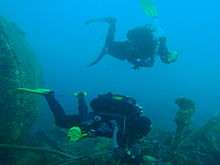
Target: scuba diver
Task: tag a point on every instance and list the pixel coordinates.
(114, 116)
(139, 49)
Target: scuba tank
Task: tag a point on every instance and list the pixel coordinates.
(114, 104)
(144, 41)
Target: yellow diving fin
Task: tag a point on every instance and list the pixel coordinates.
(149, 7)
(35, 91)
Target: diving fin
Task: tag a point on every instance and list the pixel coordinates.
(40, 91)
(149, 7)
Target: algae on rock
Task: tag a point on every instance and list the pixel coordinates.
(18, 68)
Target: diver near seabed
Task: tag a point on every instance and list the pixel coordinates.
(113, 116)
(142, 44)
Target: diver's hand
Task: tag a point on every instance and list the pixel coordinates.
(173, 56)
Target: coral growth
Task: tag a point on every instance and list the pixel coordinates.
(183, 119)
(196, 147)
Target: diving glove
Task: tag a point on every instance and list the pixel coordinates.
(172, 56)
(75, 134)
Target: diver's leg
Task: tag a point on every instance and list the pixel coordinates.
(111, 31)
(82, 106)
(109, 38)
(61, 119)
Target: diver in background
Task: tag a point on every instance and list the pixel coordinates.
(113, 116)
(140, 48)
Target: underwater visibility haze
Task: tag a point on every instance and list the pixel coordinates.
(63, 46)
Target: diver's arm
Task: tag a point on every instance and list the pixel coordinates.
(101, 129)
(166, 56)
(163, 50)
(105, 130)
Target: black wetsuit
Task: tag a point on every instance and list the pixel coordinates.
(127, 136)
(139, 49)
(84, 118)
(61, 119)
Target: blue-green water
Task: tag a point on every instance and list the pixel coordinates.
(64, 46)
